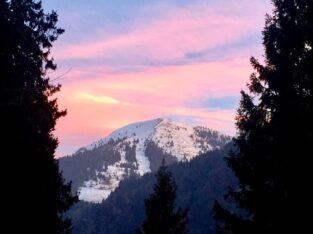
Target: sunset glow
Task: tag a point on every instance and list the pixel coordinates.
(151, 59)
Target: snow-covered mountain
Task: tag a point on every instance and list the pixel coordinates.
(96, 170)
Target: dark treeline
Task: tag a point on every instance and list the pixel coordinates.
(270, 158)
(275, 126)
(199, 183)
(162, 215)
(35, 192)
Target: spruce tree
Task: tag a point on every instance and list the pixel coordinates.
(275, 131)
(162, 217)
(33, 188)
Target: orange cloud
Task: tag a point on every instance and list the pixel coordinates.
(82, 97)
(103, 103)
(86, 123)
(101, 98)
(170, 85)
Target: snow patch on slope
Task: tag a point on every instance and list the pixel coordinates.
(97, 190)
(134, 134)
(143, 161)
(93, 191)
(139, 130)
(178, 140)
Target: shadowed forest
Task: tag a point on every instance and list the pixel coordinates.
(157, 176)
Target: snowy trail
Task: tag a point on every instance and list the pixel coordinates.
(142, 160)
(182, 141)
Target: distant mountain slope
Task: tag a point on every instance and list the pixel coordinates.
(136, 149)
(200, 182)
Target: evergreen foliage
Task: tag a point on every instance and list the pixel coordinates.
(36, 192)
(162, 216)
(275, 130)
(199, 181)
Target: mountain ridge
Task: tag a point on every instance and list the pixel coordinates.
(135, 150)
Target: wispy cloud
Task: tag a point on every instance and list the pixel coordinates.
(152, 93)
(170, 37)
(137, 60)
(87, 97)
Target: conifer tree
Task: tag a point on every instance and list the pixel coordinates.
(162, 217)
(33, 187)
(275, 131)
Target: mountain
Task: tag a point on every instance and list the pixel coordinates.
(200, 182)
(134, 150)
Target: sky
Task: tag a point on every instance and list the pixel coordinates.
(123, 61)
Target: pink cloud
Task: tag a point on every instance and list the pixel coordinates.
(87, 123)
(169, 85)
(101, 104)
(170, 36)
(99, 100)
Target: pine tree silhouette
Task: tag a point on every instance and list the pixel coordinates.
(35, 191)
(275, 130)
(161, 215)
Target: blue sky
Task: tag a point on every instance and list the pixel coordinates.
(126, 61)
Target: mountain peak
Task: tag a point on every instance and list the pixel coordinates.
(137, 149)
(140, 129)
